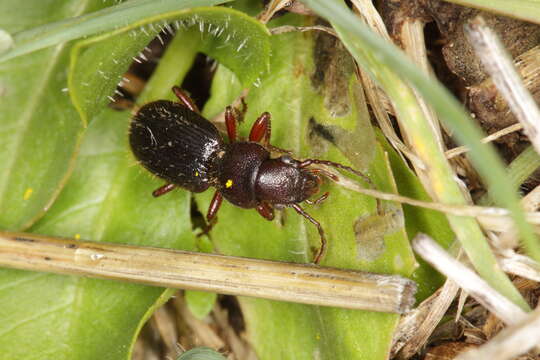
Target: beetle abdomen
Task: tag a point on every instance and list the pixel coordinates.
(176, 144)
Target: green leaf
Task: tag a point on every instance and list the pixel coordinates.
(301, 105)
(200, 303)
(106, 199)
(108, 19)
(229, 36)
(39, 129)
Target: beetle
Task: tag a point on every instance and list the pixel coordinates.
(174, 142)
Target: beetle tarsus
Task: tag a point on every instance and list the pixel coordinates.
(319, 200)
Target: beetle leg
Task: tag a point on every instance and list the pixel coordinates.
(214, 206)
(261, 129)
(266, 211)
(230, 122)
(212, 211)
(163, 190)
(322, 250)
(319, 200)
(185, 99)
(261, 132)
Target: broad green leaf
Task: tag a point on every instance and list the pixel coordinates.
(106, 199)
(301, 105)
(39, 129)
(229, 36)
(112, 18)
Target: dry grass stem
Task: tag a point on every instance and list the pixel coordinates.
(273, 7)
(199, 332)
(496, 135)
(378, 100)
(164, 322)
(302, 283)
(460, 210)
(239, 346)
(520, 265)
(468, 280)
(381, 114)
(510, 342)
(416, 327)
(414, 44)
(491, 218)
(531, 201)
(499, 65)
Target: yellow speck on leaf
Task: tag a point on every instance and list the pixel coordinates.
(229, 183)
(28, 193)
(77, 236)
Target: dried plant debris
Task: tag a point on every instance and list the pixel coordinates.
(447, 351)
(517, 37)
(452, 55)
(490, 108)
(456, 335)
(173, 329)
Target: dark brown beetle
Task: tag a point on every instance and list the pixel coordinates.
(173, 141)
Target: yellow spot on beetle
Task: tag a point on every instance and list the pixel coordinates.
(28, 193)
(77, 236)
(229, 183)
(196, 173)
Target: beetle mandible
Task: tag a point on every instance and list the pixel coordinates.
(174, 142)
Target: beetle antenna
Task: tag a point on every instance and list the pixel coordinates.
(309, 162)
